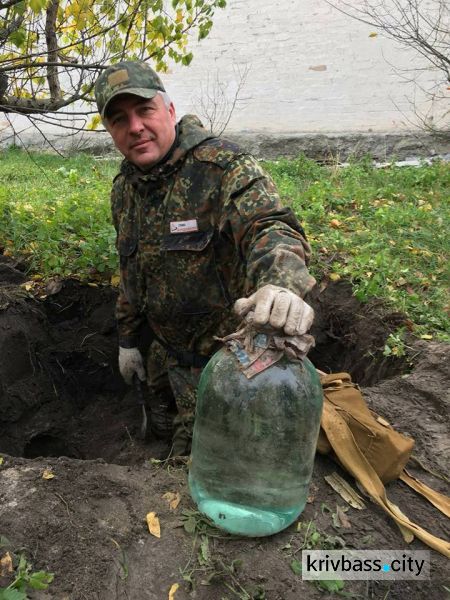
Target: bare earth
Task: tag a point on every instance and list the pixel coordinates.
(64, 408)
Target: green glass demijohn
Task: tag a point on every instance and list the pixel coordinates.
(254, 443)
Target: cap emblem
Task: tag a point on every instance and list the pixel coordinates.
(118, 77)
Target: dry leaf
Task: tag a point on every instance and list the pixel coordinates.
(373, 34)
(153, 524)
(53, 287)
(6, 565)
(173, 590)
(48, 474)
(343, 519)
(173, 498)
(335, 223)
(115, 280)
(345, 491)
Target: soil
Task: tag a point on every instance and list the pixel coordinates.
(64, 408)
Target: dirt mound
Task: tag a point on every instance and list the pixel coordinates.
(64, 407)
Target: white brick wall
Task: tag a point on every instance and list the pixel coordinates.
(279, 42)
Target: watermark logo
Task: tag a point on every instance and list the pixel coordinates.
(388, 565)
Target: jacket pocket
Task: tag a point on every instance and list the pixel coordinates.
(195, 283)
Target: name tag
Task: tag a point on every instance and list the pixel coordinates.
(184, 226)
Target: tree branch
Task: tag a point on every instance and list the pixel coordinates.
(52, 47)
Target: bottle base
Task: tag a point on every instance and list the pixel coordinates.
(246, 520)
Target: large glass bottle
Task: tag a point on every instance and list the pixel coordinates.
(254, 443)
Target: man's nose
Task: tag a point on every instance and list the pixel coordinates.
(135, 124)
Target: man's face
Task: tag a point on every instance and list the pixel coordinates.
(143, 130)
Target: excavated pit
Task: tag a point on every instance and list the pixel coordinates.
(60, 390)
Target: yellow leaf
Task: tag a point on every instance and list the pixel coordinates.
(334, 276)
(2, 460)
(6, 565)
(47, 474)
(115, 280)
(173, 498)
(90, 284)
(426, 336)
(335, 223)
(173, 590)
(373, 34)
(94, 123)
(153, 524)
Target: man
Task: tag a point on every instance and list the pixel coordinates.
(200, 231)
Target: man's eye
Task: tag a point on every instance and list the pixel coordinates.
(118, 120)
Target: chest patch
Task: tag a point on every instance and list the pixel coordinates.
(184, 226)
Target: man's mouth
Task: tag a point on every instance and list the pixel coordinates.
(140, 143)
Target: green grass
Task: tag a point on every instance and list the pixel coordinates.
(55, 212)
(385, 230)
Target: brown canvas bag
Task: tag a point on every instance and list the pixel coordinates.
(366, 446)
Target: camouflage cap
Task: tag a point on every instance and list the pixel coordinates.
(128, 77)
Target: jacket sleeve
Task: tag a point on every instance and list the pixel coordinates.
(269, 237)
(129, 319)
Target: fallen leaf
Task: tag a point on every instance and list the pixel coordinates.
(426, 336)
(153, 524)
(6, 565)
(373, 34)
(90, 284)
(345, 491)
(173, 498)
(173, 591)
(335, 223)
(115, 280)
(318, 68)
(53, 287)
(1, 460)
(334, 276)
(48, 474)
(342, 517)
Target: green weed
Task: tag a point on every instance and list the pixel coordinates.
(206, 567)
(23, 577)
(55, 213)
(384, 230)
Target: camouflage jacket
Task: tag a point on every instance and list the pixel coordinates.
(194, 234)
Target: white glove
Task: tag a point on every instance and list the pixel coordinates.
(130, 362)
(279, 307)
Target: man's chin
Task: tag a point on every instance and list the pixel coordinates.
(143, 160)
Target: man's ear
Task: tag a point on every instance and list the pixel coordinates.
(172, 113)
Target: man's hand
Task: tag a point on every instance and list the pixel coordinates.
(278, 307)
(130, 362)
